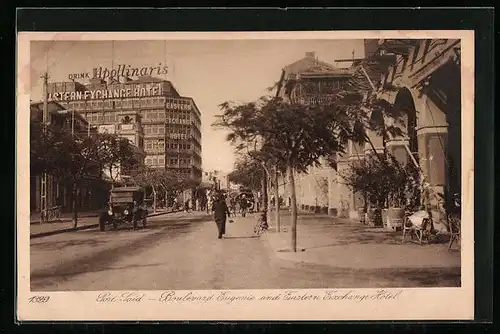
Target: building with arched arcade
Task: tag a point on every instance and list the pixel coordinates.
(422, 77)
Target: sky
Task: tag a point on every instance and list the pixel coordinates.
(209, 71)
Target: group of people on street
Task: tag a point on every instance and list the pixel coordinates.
(220, 208)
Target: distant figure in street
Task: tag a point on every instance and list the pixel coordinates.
(233, 205)
(209, 204)
(186, 205)
(221, 212)
(244, 205)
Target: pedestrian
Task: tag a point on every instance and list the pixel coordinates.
(186, 205)
(221, 212)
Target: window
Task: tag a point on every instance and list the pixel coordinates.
(148, 161)
(161, 161)
(161, 130)
(155, 161)
(149, 145)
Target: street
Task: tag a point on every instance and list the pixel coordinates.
(181, 251)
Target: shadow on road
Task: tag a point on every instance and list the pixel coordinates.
(377, 278)
(102, 260)
(244, 237)
(52, 245)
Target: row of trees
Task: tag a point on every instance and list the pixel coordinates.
(288, 136)
(79, 160)
(162, 183)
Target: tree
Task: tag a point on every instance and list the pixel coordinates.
(249, 173)
(115, 155)
(296, 135)
(161, 180)
(72, 159)
(157, 179)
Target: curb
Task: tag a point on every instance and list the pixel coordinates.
(32, 222)
(49, 233)
(85, 227)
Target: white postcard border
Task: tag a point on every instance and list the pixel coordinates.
(410, 304)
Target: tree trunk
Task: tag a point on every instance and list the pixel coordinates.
(277, 201)
(154, 199)
(269, 197)
(293, 197)
(75, 206)
(264, 194)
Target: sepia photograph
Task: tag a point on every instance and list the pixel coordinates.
(197, 167)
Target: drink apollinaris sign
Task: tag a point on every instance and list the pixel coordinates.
(132, 89)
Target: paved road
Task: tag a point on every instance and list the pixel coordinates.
(181, 251)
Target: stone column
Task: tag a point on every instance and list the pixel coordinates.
(333, 193)
(432, 134)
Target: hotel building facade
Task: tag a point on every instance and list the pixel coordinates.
(148, 111)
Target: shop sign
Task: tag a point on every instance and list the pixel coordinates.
(178, 121)
(147, 90)
(178, 104)
(177, 136)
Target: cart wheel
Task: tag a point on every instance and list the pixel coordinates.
(102, 225)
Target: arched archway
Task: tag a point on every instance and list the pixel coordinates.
(404, 116)
(405, 106)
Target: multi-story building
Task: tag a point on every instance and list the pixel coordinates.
(316, 81)
(147, 111)
(58, 193)
(422, 77)
(216, 179)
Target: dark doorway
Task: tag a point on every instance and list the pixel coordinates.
(445, 92)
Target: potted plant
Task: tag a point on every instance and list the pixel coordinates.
(404, 191)
(367, 177)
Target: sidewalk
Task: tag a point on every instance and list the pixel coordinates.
(65, 224)
(66, 216)
(344, 243)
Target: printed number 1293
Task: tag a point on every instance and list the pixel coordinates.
(39, 299)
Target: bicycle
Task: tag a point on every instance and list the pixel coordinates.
(260, 227)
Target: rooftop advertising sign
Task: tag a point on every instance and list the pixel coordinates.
(123, 71)
(151, 89)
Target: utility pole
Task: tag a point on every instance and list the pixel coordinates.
(72, 122)
(45, 178)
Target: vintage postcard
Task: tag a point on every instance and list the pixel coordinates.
(245, 176)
